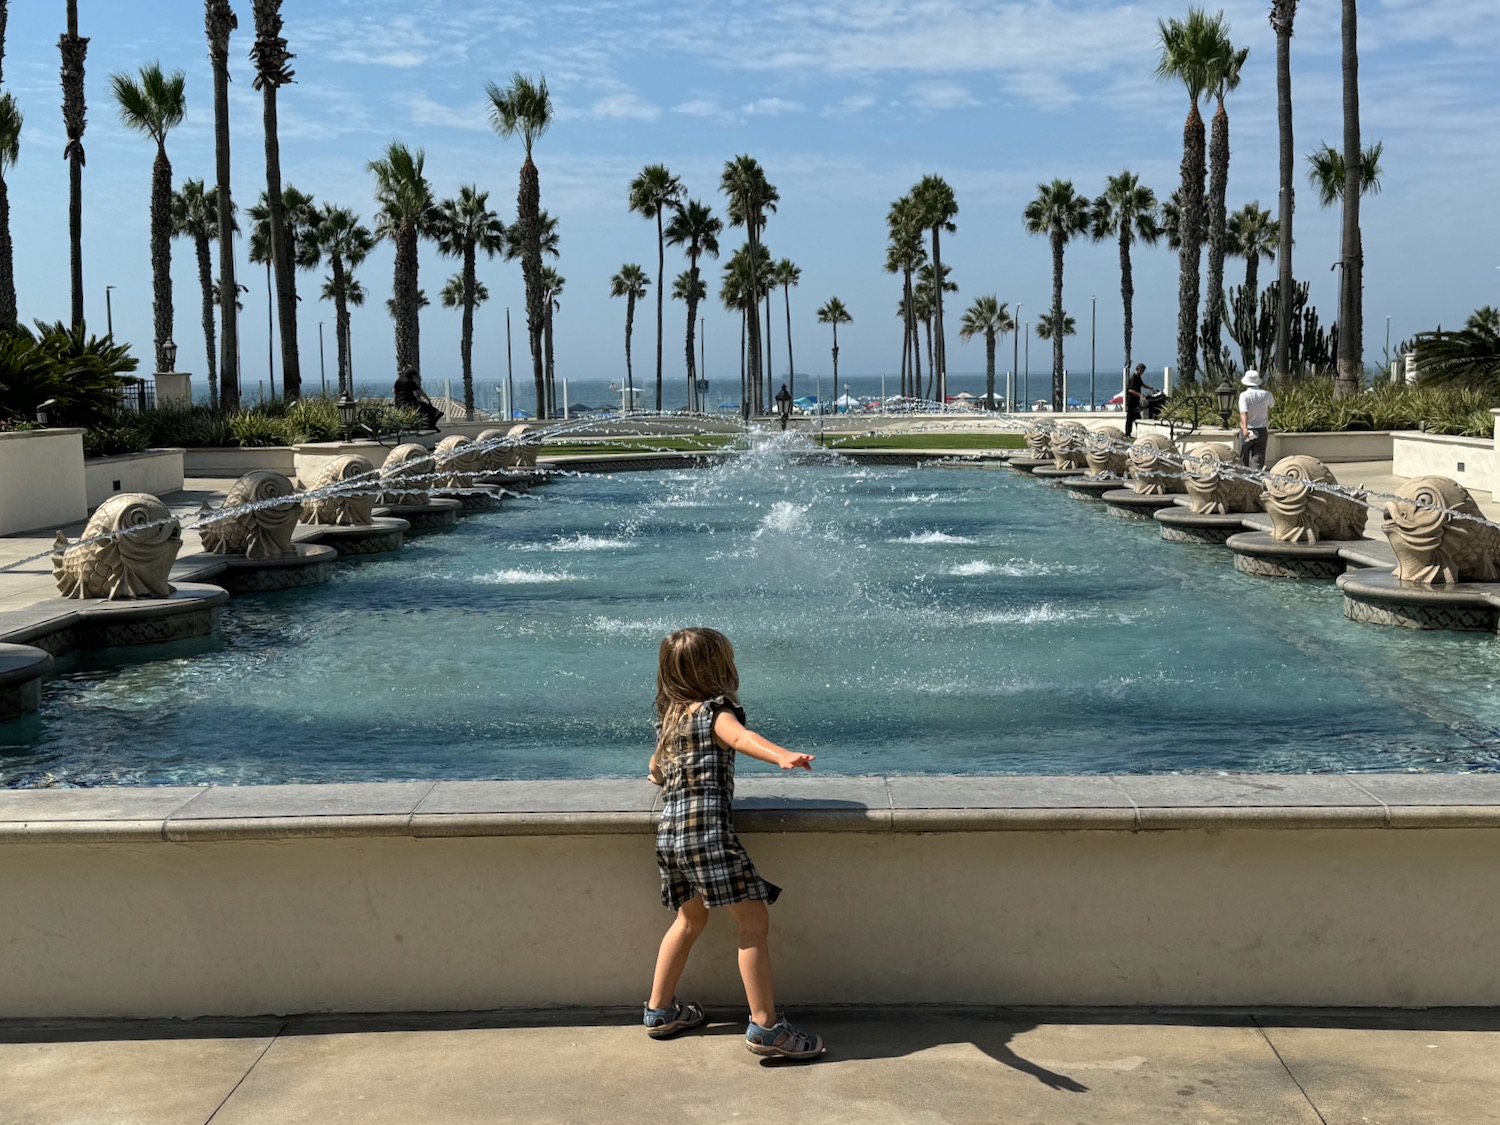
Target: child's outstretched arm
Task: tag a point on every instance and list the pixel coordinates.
(730, 732)
(653, 771)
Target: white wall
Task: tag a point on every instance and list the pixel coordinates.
(157, 471)
(41, 480)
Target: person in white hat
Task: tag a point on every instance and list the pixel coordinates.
(1255, 420)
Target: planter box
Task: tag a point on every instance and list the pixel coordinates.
(41, 480)
(310, 459)
(157, 471)
(235, 461)
(1331, 447)
(1469, 461)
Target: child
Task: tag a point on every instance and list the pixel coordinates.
(702, 861)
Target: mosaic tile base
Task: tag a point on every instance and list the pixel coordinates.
(17, 699)
(1128, 513)
(276, 578)
(365, 544)
(150, 630)
(1470, 619)
(1288, 567)
(1183, 533)
(431, 520)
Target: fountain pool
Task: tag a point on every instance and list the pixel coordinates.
(889, 620)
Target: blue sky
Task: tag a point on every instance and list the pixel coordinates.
(845, 105)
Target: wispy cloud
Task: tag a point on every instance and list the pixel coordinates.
(850, 105)
(941, 95)
(770, 107)
(625, 105)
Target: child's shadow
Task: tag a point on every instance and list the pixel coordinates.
(899, 1032)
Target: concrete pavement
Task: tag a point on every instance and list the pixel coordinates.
(883, 1067)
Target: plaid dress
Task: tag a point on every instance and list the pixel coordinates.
(696, 847)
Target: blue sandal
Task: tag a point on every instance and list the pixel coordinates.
(782, 1041)
(663, 1023)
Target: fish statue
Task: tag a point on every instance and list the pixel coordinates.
(1434, 542)
(1215, 483)
(349, 508)
(1039, 441)
(1068, 446)
(1104, 450)
(256, 525)
(140, 542)
(1302, 499)
(459, 462)
(1154, 466)
(409, 464)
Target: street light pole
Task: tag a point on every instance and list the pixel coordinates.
(1093, 358)
(109, 316)
(270, 331)
(1027, 333)
(322, 364)
(1015, 359)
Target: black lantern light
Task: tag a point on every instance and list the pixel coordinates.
(1224, 393)
(348, 410)
(169, 356)
(784, 405)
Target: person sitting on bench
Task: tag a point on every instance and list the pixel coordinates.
(409, 393)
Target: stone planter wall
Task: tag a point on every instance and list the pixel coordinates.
(157, 471)
(41, 480)
(1469, 461)
(235, 461)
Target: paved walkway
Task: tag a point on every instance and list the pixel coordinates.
(883, 1067)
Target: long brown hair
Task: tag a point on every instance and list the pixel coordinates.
(693, 665)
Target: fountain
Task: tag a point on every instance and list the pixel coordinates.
(253, 531)
(1310, 517)
(405, 477)
(342, 518)
(1218, 495)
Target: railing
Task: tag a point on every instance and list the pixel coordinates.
(135, 396)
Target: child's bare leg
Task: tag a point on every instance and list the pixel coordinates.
(671, 959)
(754, 923)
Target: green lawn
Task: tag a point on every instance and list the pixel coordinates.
(928, 441)
(603, 446)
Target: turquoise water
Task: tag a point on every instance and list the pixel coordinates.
(889, 620)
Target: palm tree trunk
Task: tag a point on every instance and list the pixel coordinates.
(661, 269)
(1349, 356)
(1058, 389)
(1282, 14)
(752, 317)
(206, 283)
(989, 368)
(931, 361)
(7, 263)
(744, 367)
(629, 376)
(1252, 277)
(547, 341)
(1191, 237)
(770, 366)
(791, 367)
(914, 337)
(528, 211)
(1218, 182)
(836, 360)
(161, 253)
(219, 20)
(1127, 289)
(281, 251)
(341, 321)
(692, 324)
(940, 354)
(73, 49)
(405, 295)
(466, 342)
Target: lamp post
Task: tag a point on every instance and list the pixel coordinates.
(270, 330)
(322, 364)
(1026, 376)
(169, 353)
(1224, 393)
(109, 317)
(784, 406)
(1093, 341)
(348, 411)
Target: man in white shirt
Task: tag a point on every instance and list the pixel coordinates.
(1255, 421)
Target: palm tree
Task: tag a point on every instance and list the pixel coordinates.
(1061, 214)
(936, 208)
(298, 216)
(905, 255)
(1044, 325)
(751, 198)
(271, 73)
(1252, 234)
(547, 243)
(1283, 14)
(652, 193)
(552, 287)
(405, 199)
(153, 106)
(340, 239)
(834, 313)
(344, 242)
(1128, 211)
(1469, 357)
(987, 317)
(1351, 254)
(195, 215)
(218, 21)
(74, 48)
(456, 292)
(525, 107)
(1224, 76)
(1329, 177)
(926, 301)
(11, 120)
(788, 275)
(631, 283)
(1189, 49)
(462, 227)
(690, 289)
(695, 226)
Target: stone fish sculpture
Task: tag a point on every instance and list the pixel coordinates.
(1068, 450)
(1434, 545)
(1039, 441)
(405, 463)
(1212, 491)
(1155, 466)
(1104, 449)
(262, 533)
(1301, 512)
(499, 454)
(348, 509)
(131, 564)
(459, 462)
(524, 443)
